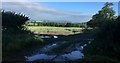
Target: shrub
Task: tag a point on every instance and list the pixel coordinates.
(14, 43)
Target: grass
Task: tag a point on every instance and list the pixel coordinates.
(54, 30)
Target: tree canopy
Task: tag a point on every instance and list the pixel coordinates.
(12, 20)
(105, 14)
(107, 37)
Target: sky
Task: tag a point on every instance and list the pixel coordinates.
(57, 11)
(81, 7)
(61, 0)
(119, 8)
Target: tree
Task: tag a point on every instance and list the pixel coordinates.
(68, 25)
(106, 41)
(12, 20)
(106, 14)
(107, 37)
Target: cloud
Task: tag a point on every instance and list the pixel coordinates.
(15, 0)
(36, 11)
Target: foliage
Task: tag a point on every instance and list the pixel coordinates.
(15, 37)
(98, 59)
(105, 14)
(106, 40)
(12, 20)
(13, 43)
(55, 24)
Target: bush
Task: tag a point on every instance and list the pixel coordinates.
(14, 43)
(106, 41)
(98, 59)
(29, 42)
(15, 37)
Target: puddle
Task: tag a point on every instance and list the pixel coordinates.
(48, 47)
(46, 36)
(55, 36)
(39, 57)
(74, 55)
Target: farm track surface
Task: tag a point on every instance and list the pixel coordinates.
(20, 56)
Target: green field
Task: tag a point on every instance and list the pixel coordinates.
(55, 30)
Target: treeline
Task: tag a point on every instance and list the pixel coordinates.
(56, 24)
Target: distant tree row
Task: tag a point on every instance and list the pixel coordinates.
(56, 24)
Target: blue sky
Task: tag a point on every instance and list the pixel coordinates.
(57, 11)
(60, 0)
(82, 7)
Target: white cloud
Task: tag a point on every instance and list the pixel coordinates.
(36, 11)
(15, 0)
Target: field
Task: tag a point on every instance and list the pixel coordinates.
(55, 30)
